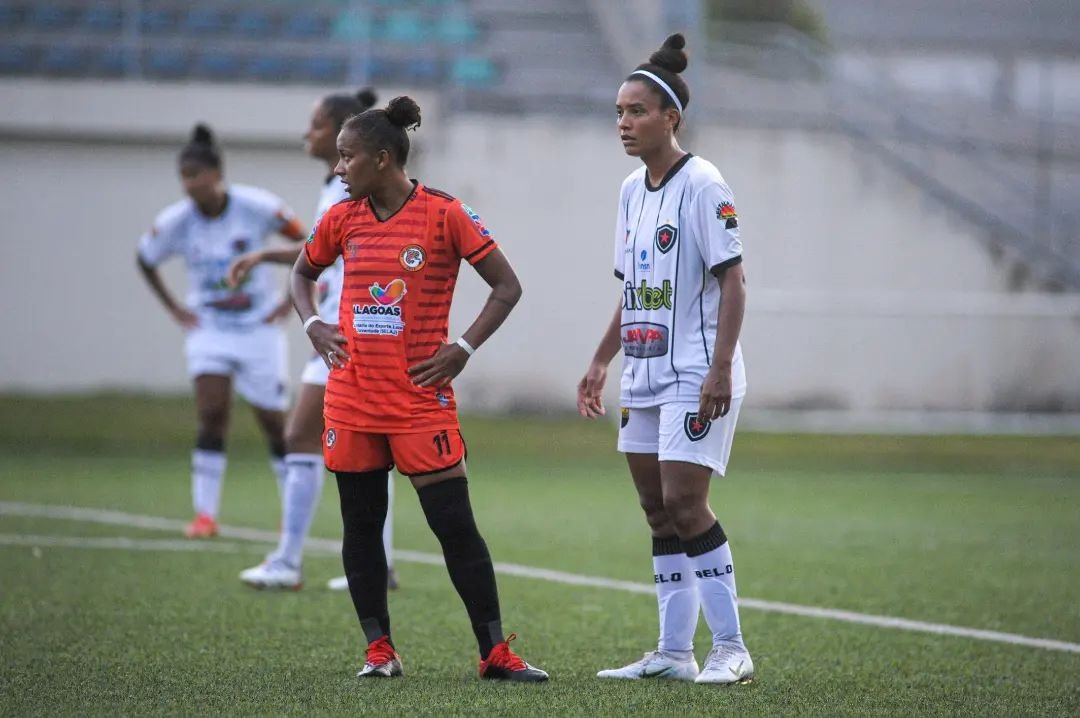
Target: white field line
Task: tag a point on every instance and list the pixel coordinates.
(117, 518)
(123, 543)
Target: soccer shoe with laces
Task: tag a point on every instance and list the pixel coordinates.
(655, 664)
(382, 660)
(201, 527)
(727, 662)
(503, 664)
(273, 574)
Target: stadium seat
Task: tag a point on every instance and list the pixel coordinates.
(423, 70)
(271, 67)
(456, 29)
(472, 72)
(204, 21)
(156, 22)
(102, 17)
(218, 65)
(253, 24)
(352, 26)
(305, 26)
(47, 16)
(166, 63)
(15, 60)
(10, 16)
(110, 61)
(405, 27)
(64, 60)
(323, 69)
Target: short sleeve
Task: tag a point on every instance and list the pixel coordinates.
(276, 215)
(622, 236)
(164, 239)
(323, 246)
(467, 234)
(716, 225)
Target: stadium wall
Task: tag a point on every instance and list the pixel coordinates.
(863, 293)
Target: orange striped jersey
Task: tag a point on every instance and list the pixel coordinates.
(399, 282)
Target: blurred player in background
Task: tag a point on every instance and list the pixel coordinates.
(231, 330)
(388, 399)
(303, 434)
(679, 256)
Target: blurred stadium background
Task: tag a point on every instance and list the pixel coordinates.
(907, 174)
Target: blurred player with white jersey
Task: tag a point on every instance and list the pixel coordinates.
(231, 331)
(282, 568)
(678, 253)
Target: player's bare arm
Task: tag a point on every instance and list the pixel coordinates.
(450, 359)
(716, 389)
(327, 340)
(180, 313)
(590, 403)
(243, 264)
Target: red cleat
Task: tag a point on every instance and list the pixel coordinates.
(382, 660)
(202, 527)
(503, 664)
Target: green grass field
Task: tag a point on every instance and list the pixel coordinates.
(976, 532)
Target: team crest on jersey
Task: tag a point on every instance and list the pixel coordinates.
(625, 418)
(725, 212)
(696, 429)
(413, 258)
(240, 245)
(331, 438)
(665, 237)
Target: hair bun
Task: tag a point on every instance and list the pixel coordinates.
(367, 97)
(403, 112)
(202, 135)
(671, 56)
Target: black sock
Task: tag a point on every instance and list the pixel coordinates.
(712, 539)
(449, 514)
(364, 501)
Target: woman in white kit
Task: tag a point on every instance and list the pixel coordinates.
(232, 334)
(303, 434)
(678, 255)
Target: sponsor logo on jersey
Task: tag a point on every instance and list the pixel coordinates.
(644, 340)
(413, 258)
(666, 235)
(725, 212)
(382, 318)
(484, 231)
(643, 261)
(648, 298)
(696, 429)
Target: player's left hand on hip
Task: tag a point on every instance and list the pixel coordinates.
(446, 364)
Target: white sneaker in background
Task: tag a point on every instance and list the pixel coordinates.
(655, 664)
(273, 575)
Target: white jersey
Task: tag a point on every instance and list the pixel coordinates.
(330, 281)
(667, 241)
(210, 244)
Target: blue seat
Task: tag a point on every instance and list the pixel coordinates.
(9, 15)
(471, 71)
(323, 69)
(15, 60)
(46, 16)
(456, 29)
(64, 60)
(204, 21)
(352, 26)
(271, 67)
(405, 27)
(102, 17)
(253, 24)
(423, 70)
(156, 22)
(111, 61)
(166, 63)
(305, 25)
(218, 65)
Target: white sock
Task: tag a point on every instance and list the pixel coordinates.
(303, 487)
(281, 473)
(207, 468)
(677, 598)
(715, 576)
(388, 527)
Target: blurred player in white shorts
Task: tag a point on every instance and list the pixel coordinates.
(282, 568)
(232, 335)
(678, 254)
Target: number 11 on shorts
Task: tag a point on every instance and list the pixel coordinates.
(442, 443)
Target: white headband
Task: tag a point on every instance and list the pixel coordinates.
(663, 86)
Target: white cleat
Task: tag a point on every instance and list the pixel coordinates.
(273, 575)
(655, 664)
(727, 663)
(338, 584)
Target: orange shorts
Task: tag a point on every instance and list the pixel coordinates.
(426, 452)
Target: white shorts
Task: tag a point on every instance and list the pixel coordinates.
(672, 432)
(315, 372)
(255, 358)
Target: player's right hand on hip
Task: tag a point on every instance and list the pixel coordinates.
(329, 343)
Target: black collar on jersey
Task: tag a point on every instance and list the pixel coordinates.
(408, 199)
(670, 173)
